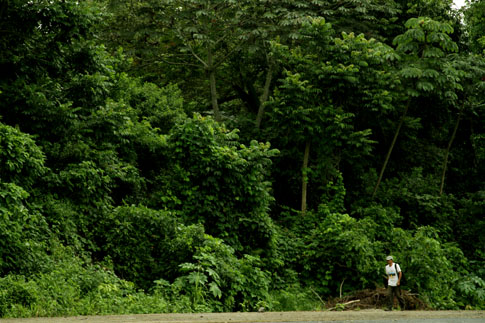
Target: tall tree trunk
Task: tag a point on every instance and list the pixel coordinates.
(389, 152)
(264, 97)
(212, 80)
(445, 163)
(304, 181)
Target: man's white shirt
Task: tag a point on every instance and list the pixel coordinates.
(392, 274)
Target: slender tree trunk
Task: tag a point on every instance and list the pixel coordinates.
(389, 152)
(264, 97)
(445, 163)
(212, 80)
(304, 181)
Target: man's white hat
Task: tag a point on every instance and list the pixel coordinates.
(389, 258)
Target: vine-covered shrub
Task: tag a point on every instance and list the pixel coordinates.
(71, 286)
(341, 252)
(433, 269)
(219, 280)
(153, 250)
(214, 180)
(23, 229)
(145, 245)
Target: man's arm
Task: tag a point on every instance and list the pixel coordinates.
(399, 280)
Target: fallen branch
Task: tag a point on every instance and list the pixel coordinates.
(341, 285)
(343, 305)
(321, 300)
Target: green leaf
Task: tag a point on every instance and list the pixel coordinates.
(425, 86)
(197, 278)
(411, 72)
(433, 52)
(215, 290)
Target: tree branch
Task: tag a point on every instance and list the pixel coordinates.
(445, 162)
(187, 43)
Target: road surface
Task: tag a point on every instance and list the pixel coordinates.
(362, 316)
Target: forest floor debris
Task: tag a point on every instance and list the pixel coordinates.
(373, 298)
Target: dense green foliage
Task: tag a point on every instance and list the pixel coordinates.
(223, 155)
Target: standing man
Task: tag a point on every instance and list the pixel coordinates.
(394, 275)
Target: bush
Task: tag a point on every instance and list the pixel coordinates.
(23, 229)
(23, 232)
(147, 245)
(153, 250)
(295, 298)
(215, 180)
(471, 292)
(72, 286)
(21, 160)
(433, 269)
(221, 281)
(341, 249)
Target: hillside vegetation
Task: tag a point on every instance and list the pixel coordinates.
(162, 156)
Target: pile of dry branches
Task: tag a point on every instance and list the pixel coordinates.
(373, 298)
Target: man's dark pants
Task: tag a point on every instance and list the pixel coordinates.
(391, 291)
